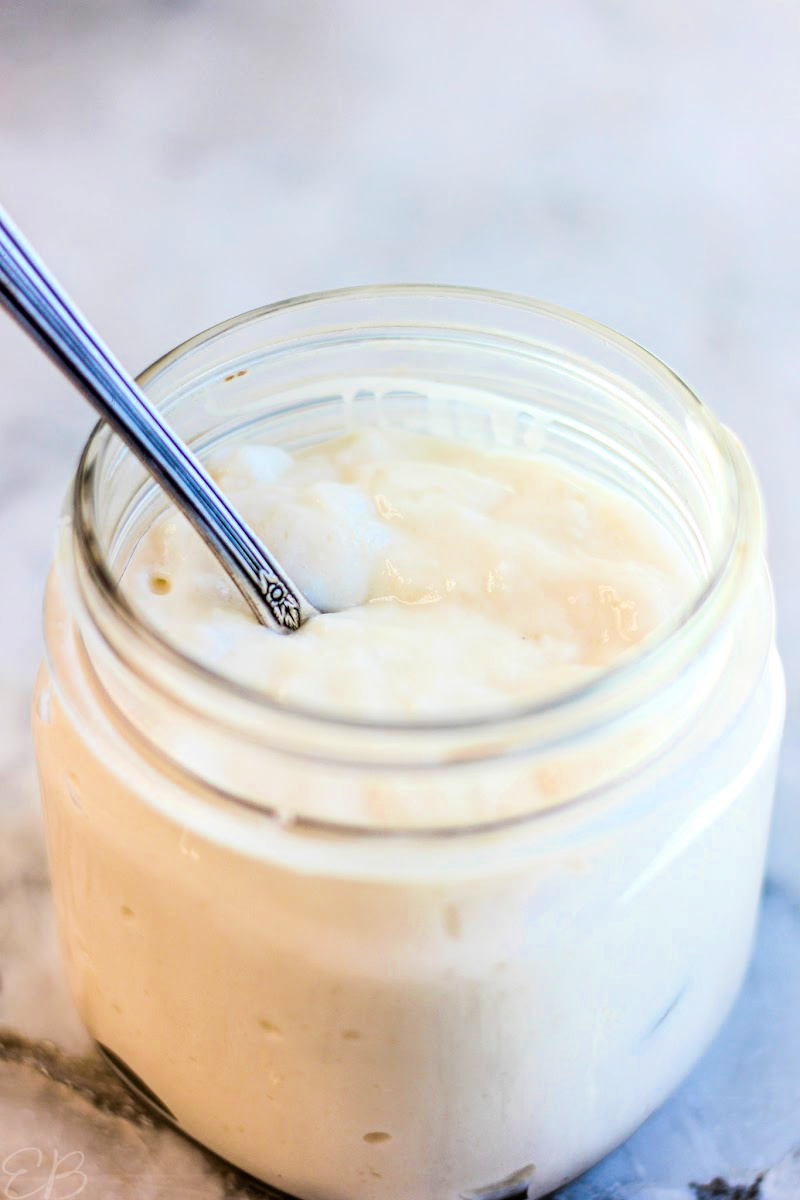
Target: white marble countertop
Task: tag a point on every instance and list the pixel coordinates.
(178, 162)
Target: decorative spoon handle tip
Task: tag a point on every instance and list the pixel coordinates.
(42, 308)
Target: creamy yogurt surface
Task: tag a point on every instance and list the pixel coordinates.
(452, 579)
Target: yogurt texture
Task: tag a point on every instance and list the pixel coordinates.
(414, 1017)
(452, 579)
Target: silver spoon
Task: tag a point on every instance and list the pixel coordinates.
(44, 311)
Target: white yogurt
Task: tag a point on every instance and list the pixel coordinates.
(408, 1018)
(452, 580)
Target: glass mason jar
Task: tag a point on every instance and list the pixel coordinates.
(453, 958)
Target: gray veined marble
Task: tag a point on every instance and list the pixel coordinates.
(181, 162)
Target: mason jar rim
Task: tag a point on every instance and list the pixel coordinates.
(732, 561)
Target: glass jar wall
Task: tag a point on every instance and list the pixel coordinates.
(456, 958)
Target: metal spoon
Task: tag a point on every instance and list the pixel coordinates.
(44, 311)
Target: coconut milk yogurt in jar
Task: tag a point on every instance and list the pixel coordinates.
(442, 895)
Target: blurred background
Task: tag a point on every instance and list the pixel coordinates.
(180, 161)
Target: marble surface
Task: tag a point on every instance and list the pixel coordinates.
(181, 161)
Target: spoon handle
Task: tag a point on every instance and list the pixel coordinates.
(36, 301)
